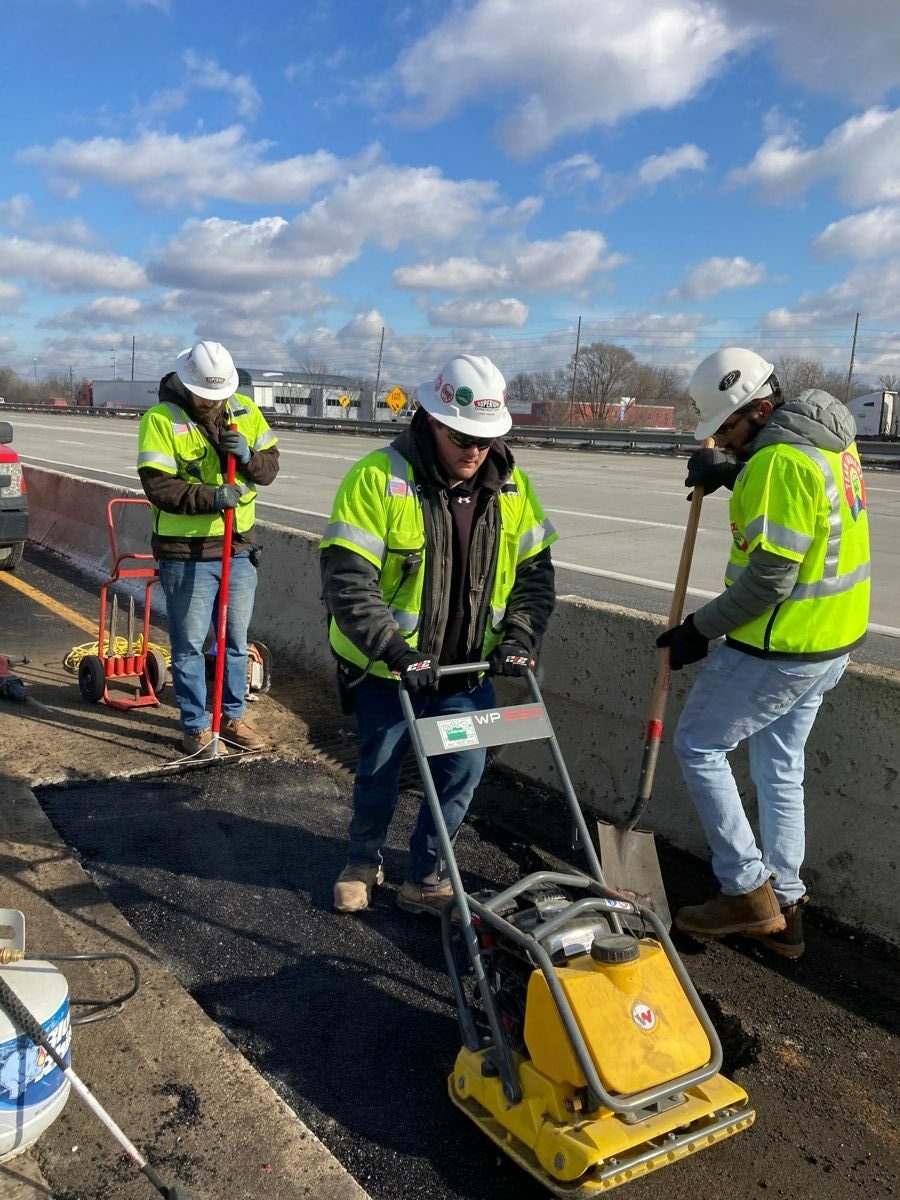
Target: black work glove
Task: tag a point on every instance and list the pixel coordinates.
(711, 469)
(228, 495)
(418, 672)
(686, 644)
(511, 658)
(233, 442)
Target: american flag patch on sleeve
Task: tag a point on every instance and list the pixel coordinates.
(398, 487)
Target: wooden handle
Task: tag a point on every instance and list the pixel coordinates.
(663, 682)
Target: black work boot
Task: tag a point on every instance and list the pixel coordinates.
(789, 943)
(756, 913)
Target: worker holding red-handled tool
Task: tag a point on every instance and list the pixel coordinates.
(203, 451)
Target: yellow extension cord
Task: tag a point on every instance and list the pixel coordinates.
(77, 653)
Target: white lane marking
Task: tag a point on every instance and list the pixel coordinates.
(306, 512)
(318, 454)
(568, 512)
(662, 586)
(80, 429)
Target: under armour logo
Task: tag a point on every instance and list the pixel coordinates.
(463, 499)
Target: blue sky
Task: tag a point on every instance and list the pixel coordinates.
(290, 178)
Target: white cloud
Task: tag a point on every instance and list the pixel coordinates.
(7, 345)
(572, 65)
(658, 167)
(451, 275)
(563, 265)
(206, 73)
(170, 169)
(105, 311)
(716, 275)
(15, 211)
(384, 206)
(572, 173)
(64, 269)
(870, 234)
(872, 289)
(479, 314)
(862, 156)
(10, 297)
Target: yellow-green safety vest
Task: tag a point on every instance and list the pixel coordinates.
(377, 514)
(172, 442)
(808, 505)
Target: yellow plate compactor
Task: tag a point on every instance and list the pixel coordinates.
(587, 1055)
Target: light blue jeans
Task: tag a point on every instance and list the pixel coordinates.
(192, 602)
(771, 704)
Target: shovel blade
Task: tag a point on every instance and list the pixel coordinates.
(630, 864)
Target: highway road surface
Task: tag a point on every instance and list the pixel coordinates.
(620, 516)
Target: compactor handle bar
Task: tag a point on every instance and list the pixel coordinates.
(463, 668)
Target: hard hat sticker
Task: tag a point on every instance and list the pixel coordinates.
(643, 1016)
(729, 380)
(464, 395)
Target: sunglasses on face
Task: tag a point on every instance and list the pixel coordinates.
(467, 443)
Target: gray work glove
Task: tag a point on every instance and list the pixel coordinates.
(234, 442)
(711, 469)
(228, 495)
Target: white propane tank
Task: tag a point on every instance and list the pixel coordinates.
(33, 1090)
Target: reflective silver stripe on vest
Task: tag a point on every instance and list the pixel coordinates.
(534, 537)
(734, 571)
(835, 524)
(399, 478)
(406, 620)
(497, 615)
(833, 586)
(264, 440)
(178, 415)
(356, 536)
(148, 457)
(789, 539)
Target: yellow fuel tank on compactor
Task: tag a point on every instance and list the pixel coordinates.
(641, 1031)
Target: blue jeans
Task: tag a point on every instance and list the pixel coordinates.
(192, 603)
(383, 743)
(772, 704)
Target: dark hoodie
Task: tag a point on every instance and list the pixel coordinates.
(461, 557)
(814, 418)
(175, 495)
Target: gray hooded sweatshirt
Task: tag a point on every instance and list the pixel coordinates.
(814, 418)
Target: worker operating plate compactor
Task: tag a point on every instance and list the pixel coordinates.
(587, 1055)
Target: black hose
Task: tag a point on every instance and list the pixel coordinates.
(101, 1009)
(31, 1027)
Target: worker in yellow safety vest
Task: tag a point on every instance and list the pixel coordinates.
(437, 552)
(183, 446)
(796, 602)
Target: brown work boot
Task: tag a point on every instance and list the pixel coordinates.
(425, 898)
(197, 745)
(756, 914)
(789, 943)
(353, 889)
(236, 731)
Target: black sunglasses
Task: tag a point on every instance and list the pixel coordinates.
(465, 442)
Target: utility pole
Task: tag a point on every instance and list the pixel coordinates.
(378, 377)
(575, 374)
(132, 358)
(115, 376)
(852, 357)
(71, 385)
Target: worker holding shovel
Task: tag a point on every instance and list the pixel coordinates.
(796, 602)
(187, 445)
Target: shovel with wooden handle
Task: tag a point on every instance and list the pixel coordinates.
(628, 855)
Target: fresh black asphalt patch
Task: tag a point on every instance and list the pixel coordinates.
(228, 872)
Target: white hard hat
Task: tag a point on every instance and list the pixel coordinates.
(725, 382)
(207, 370)
(469, 394)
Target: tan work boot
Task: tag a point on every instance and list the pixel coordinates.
(756, 914)
(789, 943)
(353, 889)
(421, 898)
(197, 744)
(237, 731)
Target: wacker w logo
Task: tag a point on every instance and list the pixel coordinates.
(524, 713)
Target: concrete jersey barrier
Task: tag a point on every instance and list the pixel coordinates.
(597, 703)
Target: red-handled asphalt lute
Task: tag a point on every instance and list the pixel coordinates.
(222, 625)
(630, 861)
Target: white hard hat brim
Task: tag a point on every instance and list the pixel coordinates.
(222, 392)
(452, 415)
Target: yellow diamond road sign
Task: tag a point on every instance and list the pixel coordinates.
(395, 399)
(344, 401)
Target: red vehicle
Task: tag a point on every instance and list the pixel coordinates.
(13, 503)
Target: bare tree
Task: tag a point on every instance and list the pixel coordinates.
(602, 377)
(521, 390)
(888, 383)
(551, 391)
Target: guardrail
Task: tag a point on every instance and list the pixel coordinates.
(629, 439)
